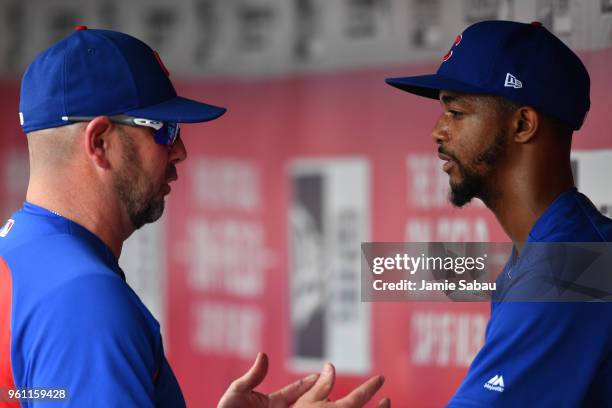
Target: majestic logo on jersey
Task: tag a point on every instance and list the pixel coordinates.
(512, 82)
(7, 227)
(450, 52)
(495, 384)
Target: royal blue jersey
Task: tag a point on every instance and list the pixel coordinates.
(68, 319)
(545, 354)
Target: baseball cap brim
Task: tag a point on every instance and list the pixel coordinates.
(179, 109)
(430, 86)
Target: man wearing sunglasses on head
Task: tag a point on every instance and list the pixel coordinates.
(101, 117)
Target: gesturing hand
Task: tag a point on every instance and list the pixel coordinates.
(309, 392)
(241, 394)
(316, 397)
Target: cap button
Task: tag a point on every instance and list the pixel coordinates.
(80, 27)
(536, 24)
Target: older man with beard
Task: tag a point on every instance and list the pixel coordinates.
(512, 94)
(102, 121)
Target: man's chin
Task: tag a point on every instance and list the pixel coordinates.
(459, 201)
(461, 194)
(150, 214)
(157, 208)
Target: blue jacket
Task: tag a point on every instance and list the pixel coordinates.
(545, 354)
(68, 319)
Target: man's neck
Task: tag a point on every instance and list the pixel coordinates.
(518, 207)
(101, 220)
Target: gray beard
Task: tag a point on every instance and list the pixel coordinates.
(140, 208)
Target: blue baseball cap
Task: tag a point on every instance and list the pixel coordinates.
(102, 72)
(525, 63)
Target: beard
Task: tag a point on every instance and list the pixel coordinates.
(140, 204)
(473, 183)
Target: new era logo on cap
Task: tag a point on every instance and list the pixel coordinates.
(512, 82)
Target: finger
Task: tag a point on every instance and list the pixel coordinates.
(254, 376)
(362, 394)
(323, 386)
(384, 403)
(292, 392)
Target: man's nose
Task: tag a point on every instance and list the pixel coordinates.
(440, 133)
(178, 152)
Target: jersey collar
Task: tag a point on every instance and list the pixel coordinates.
(65, 225)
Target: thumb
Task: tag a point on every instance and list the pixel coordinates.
(254, 376)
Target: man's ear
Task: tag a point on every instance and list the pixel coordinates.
(97, 138)
(526, 123)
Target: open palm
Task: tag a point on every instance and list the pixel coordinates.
(309, 392)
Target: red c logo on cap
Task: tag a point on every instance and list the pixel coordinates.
(161, 64)
(450, 52)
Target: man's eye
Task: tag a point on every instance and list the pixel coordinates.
(454, 113)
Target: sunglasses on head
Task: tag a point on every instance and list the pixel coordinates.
(166, 133)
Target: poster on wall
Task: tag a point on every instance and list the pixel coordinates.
(328, 220)
(592, 169)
